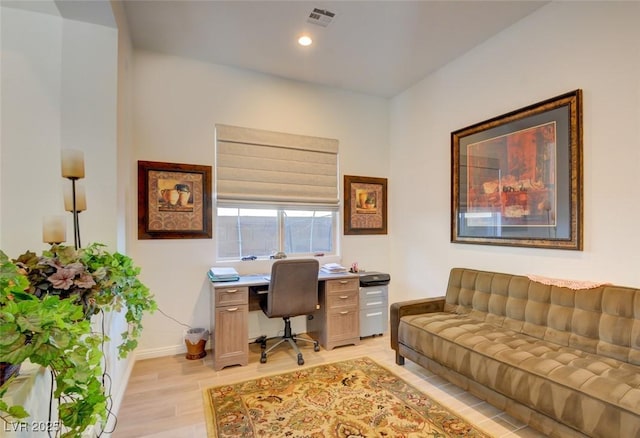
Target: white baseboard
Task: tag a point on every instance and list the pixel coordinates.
(169, 350)
(256, 326)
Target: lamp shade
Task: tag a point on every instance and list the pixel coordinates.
(72, 164)
(81, 199)
(54, 229)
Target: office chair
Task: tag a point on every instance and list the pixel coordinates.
(293, 291)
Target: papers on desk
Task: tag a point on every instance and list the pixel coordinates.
(333, 268)
(223, 274)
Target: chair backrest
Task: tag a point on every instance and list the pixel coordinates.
(293, 288)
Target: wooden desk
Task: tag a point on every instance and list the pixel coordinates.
(335, 323)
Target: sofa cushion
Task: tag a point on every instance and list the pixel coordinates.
(604, 320)
(592, 393)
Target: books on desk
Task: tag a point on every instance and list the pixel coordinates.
(223, 274)
(333, 268)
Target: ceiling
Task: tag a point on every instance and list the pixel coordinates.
(375, 47)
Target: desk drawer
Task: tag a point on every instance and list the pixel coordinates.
(373, 303)
(342, 325)
(373, 321)
(342, 298)
(230, 333)
(336, 323)
(373, 293)
(335, 286)
(231, 296)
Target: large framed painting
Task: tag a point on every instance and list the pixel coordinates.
(174, 201)
(516, 179)
(365, 205)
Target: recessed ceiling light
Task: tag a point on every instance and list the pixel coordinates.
(305, 40)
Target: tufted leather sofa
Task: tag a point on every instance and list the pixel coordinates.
(564, 361)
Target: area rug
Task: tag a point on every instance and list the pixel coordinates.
(353, 398)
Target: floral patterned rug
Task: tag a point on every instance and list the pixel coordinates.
(354, 398)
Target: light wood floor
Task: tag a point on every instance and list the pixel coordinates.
(164, 395)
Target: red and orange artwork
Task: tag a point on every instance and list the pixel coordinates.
(514, 175)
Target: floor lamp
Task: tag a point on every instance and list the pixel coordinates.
(75, 199)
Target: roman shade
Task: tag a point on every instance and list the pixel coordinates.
(259, 166)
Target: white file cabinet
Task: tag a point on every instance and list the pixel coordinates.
(374, 310)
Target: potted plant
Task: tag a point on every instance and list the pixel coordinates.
(46, 304)
(12, 283)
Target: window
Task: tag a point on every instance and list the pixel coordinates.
(307, 232)
(275, 192)
(260, 232)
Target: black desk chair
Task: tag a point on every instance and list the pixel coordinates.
(293, 291)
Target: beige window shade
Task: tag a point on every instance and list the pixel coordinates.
(254, 165)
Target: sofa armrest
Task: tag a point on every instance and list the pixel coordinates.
(413, 307)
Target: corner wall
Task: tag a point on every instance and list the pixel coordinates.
(58, 91)
(563, 46)
(31, 185)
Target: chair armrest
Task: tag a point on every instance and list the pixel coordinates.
(413, 307)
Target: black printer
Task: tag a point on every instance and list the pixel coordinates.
(368, 279)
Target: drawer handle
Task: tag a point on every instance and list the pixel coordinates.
(344, 281)
(374, 314)
(344, 312)
(232, 309)
(374, 304)
(344, 297)
(374, 292)
(231, 291)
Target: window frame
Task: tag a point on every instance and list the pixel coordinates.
(281, 227)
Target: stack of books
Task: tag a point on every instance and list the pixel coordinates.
(332, 268)
(223, 274)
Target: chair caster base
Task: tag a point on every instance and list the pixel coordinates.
(263, 358)
(300, 359)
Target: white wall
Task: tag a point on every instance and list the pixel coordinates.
(58, 91)
(31, 124)
(594, 46)
(177, 103)
(89, 122)
(126, 166)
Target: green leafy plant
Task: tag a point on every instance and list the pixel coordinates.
(96, 279)
(46, 303)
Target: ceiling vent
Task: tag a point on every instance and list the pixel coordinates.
(321, 17)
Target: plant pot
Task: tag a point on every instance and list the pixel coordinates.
(195, 340)
(8, 370)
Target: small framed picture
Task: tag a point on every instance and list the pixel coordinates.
(174, 201)
(365, 205)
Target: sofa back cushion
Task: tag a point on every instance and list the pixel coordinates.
(604, 320)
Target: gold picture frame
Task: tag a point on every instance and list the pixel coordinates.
(516, 179)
